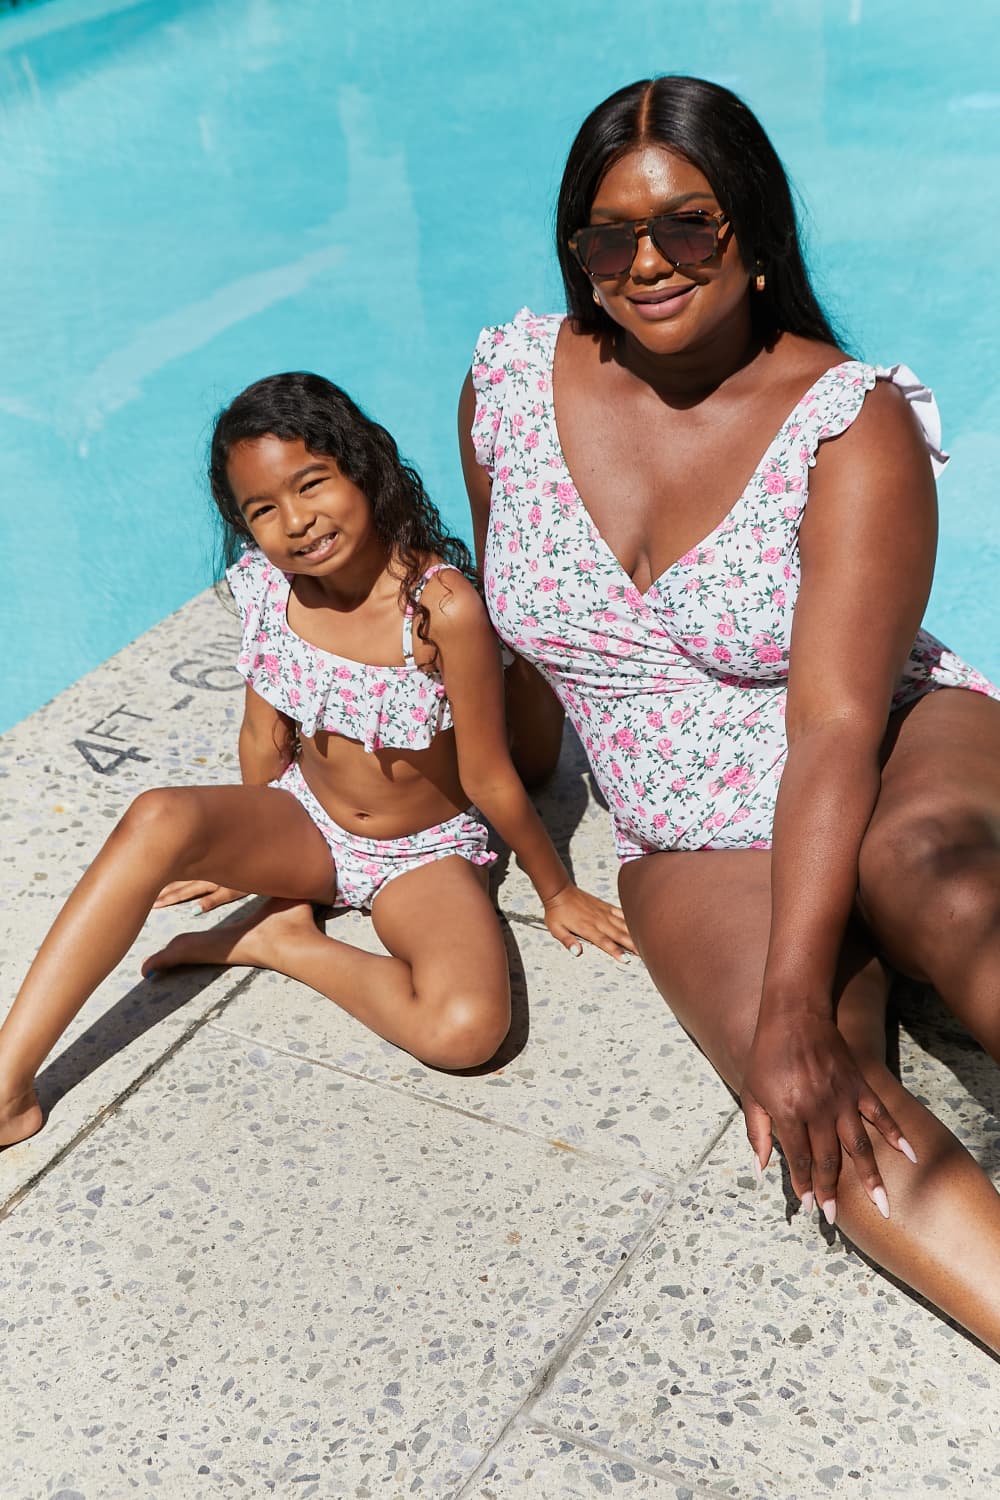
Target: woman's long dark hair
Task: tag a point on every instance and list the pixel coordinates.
(307, 407)
(716, 132)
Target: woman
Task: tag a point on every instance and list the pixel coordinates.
(603, 453)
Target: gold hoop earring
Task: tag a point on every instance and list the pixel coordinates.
(593, 293)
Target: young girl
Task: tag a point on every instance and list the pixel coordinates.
(374, 713)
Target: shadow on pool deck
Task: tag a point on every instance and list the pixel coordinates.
(258, 1250)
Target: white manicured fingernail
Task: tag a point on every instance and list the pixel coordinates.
(624, 959)
(880, 1201)
(830, 1210)
(808, 1202)
(575, 949)
(907, 1150)
(758, 1170)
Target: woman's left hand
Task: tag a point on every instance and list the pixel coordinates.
(573, 914)
(803, 1083)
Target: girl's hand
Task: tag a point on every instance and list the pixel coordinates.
(802, 1079)
(572, 914)
(190, 890)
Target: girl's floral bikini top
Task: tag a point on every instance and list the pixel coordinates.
(383, 707)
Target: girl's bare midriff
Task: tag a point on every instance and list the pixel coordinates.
(384, 794)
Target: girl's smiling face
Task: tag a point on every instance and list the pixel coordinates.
(303, 513)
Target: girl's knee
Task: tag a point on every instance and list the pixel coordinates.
(466, 1032)
(163, 816)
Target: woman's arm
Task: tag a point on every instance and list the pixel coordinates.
(534, 713)
(867, 546)
(470, 665)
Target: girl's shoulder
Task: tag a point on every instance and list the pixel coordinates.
(251, 577)
(446, 592)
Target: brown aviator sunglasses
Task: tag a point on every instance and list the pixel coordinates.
(689, 239)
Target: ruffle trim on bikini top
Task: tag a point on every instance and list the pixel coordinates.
(385, 707)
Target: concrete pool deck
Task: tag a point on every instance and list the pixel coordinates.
(257, 1251)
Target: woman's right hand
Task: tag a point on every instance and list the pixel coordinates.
(205, 892)
(802, 1083)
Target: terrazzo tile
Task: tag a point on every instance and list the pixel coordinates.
(263, 1277)
(122, 1030)
(750, 1357)
(162, 711)
(534, 1464)
(166, 708)
(595, 1060)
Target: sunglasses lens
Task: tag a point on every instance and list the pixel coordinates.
(606, 249)
(685, 241)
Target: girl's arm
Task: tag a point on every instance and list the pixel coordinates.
(267, 741)
(470, 666)
(266, 749)
(867, 546)
(534, 713)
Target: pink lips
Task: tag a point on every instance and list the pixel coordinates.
(666, 305)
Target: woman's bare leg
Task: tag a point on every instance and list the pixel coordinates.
(701, 923)
(257, 836)
(444, 995)
(930, 862)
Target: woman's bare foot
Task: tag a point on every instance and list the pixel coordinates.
(20, 1117)
(256, 943)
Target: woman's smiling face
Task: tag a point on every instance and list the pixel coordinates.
(666, 309)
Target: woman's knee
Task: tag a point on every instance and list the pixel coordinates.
(464, 1032)
(932, 864)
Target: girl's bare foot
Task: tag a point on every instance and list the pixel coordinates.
(20, 1116)
(257, 942)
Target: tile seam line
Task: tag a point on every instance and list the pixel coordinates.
(10, 1203)
(613, 1163)
(702, 1490)
(572, 1340)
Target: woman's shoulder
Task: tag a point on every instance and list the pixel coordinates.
(878, 403)
(527, 337)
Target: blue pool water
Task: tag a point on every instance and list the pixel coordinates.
(197, 192)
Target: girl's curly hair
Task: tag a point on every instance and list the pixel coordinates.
(307, 407)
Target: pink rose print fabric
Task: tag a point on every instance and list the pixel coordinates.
(365, 866)
(677, 694)
(400, 707)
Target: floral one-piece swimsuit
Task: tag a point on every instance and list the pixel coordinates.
(678, 692)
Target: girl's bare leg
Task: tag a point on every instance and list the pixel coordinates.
(701, 923)
(257, 837)
(443, 995)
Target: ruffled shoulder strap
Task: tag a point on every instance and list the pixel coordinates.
(923, 406)
(250, 578)
(834, 401)
(441, 567)
(510, 360)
